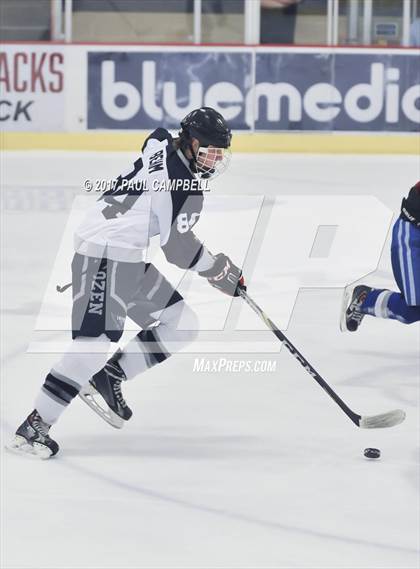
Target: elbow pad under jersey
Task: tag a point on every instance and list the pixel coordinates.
(183, 251)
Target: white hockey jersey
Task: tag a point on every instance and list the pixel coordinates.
(145, 203)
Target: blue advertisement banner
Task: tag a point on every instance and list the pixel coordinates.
(333, 91)
(131, 90)
(261, 90)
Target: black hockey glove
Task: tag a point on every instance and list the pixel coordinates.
(410, 207)
(225, 276)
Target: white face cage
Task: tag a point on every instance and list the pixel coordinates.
(212, 161)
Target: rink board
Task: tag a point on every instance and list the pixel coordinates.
(328, 143)
(85, 87)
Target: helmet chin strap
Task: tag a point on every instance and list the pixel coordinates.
(186, 144)
(193, 160)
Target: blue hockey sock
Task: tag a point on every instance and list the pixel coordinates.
(399, 310)
(368, 307)
(384, 303)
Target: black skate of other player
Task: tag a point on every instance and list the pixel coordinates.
(352, 317)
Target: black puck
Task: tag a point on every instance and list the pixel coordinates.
(372, 453)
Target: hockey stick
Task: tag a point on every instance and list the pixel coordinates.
(59, 288)
(383, 420)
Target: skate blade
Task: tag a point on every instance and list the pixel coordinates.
(93, 398)
(19, 445)
(348, 293)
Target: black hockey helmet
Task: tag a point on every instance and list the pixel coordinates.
(410, 207)
(211, 130)
(208, 126)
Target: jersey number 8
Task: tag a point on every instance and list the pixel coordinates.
(183, 225)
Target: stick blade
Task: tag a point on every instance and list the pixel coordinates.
(383, 420)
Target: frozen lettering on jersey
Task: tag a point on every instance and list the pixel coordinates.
(156, 162)
(97, 295)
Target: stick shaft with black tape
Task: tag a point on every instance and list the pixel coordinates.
(369, 422)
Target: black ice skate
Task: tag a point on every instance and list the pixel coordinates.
(105, 387)
(351, 317)
(32, 438)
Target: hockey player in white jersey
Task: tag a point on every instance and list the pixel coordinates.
(111, 279)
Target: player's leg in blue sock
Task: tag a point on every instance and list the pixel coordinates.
(403, 306)
(392, 305)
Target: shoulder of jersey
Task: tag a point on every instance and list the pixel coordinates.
(176, 169)
(160, 134)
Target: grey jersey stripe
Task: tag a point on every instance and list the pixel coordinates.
(65, 379)
(54, 397)
(51, 386)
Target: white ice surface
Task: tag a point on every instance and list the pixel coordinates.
(215, 470)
